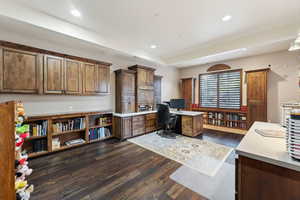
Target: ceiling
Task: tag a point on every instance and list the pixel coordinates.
(186, 32)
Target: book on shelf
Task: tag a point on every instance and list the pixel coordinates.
(69, 125)
(76, 141)
(99, 133)
(38, 129)
(39, 145)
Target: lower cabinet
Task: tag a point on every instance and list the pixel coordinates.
(138, 125)
(127, 127)
(191, 125)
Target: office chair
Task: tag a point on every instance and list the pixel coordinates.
(166, 121)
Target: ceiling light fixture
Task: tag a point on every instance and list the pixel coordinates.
(75, 13)
(153, 46)
(226, 18)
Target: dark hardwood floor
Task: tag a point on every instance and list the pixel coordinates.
(113, 170)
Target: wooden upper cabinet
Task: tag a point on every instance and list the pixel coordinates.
(53, 75)
(73, 77)
(90, 77)
(103, 79)
(20, 71)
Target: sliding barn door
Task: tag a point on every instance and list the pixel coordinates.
(257, 84)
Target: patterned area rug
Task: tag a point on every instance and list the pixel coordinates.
(202, 156)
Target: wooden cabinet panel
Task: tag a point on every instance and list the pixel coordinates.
(96, 79)
(122, 127)
(20, 71)
(263, 181)
(103, 79)
(90, 78)
(128, 104)
(138, 125)
(157, 90)
(187, 91)
(257, 83)
(53, 75)
(73, 77)
(191, 125)
(151, 124)
(125, 91)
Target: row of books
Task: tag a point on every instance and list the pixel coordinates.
(99, 133)
(39, 145)
(103, 120)
(227, 116)
(39, 129)
(229, 124)
(74, 124)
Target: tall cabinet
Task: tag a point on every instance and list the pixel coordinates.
(144, 87)
(125, 91)
(187, 91)
(257, 86)
(157, 90)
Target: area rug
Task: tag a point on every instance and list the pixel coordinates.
(219, 187)
(203, 156)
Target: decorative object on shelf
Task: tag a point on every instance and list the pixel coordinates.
(293, 134)
(22, 188)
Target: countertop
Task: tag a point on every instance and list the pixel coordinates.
(69, 113)
(266, 149)
(187, 113)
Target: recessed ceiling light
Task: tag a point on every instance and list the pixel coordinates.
(153, 46)
(226, 18)
(75, 13)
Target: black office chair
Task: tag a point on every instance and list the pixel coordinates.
(166, 121)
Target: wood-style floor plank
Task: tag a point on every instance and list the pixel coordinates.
(113, 170)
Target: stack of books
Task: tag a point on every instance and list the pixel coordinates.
(99, 133)
(69, 125)
(39, 129)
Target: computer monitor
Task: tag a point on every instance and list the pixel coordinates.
(177, 104)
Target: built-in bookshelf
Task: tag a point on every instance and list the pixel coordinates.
(233, 119)
(54, 133)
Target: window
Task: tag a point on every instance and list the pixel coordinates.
(221, 89)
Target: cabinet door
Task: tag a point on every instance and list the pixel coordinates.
(128, 104)
(157, 90)
(142, 78)
(53, 75)
(257, 84)
(138, 125)
(128, 84)
(150, 78)
(126, 127)
(90, 78)
(103, 79)
(73, 77)
(20, 71)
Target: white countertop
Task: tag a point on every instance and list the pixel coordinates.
(188, 113)
(266, 149)
(133, 114)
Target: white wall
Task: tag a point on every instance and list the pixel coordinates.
(42, 104)
(283, 77)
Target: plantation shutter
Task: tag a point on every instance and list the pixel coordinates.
(230, 90)
(221, 90)
(209, 90)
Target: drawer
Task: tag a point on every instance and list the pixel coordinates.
(151, 116)
(140, 118)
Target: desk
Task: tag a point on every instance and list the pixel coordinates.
(190, 123)
(133, 124)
